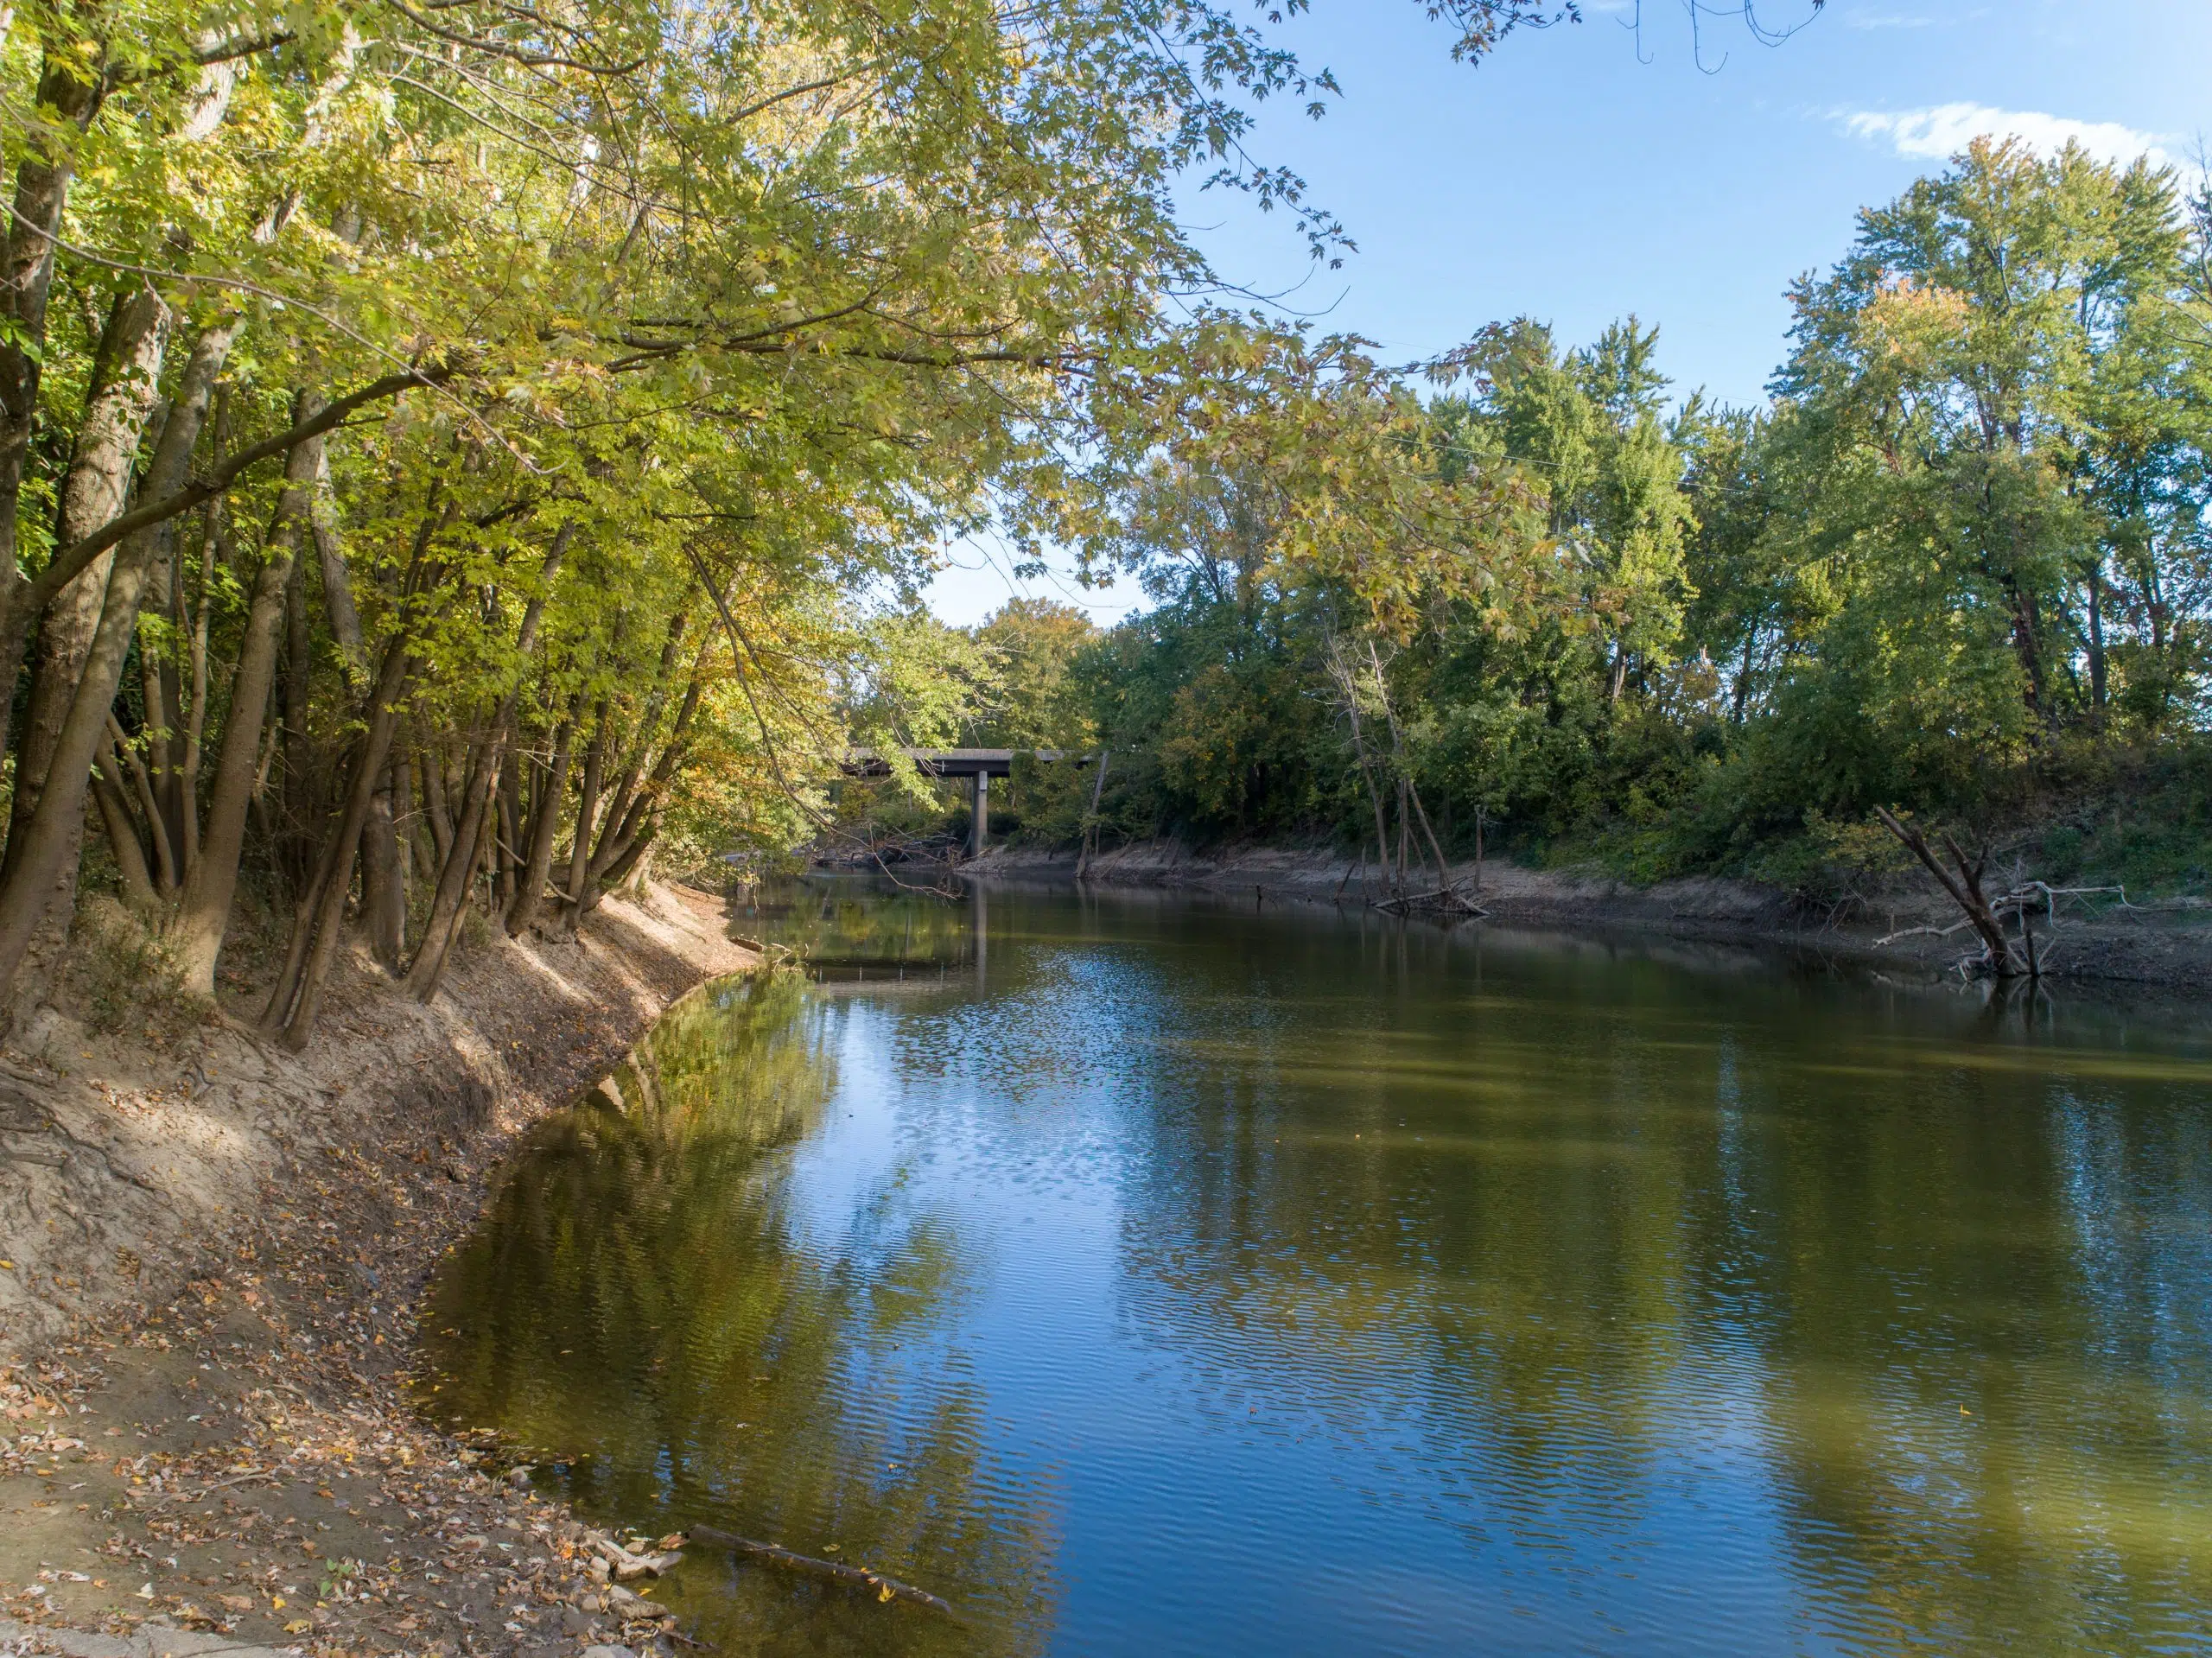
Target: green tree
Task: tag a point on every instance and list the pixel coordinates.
(2004, 465)
(1034, 644)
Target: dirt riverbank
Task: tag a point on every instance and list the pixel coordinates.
(2165, 945)
(214, 1252)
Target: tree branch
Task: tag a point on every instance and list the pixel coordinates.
(68, 562)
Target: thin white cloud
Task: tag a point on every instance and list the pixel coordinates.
(1939, 133)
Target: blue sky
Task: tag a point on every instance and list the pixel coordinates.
(1588, 172)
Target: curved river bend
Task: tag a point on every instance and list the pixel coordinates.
(1150, 1277)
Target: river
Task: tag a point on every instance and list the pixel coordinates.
(1147, 1274)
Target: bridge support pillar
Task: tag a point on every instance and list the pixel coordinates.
(979, 833)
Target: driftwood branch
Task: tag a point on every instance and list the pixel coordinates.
(858, 1577)
(1963, 883)
(2019, 897)
(1448, 901)
(1922, 932)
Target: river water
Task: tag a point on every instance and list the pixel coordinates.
(1148, 1275)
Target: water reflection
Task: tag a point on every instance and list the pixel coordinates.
(643, 1303)
(843, 929)
(1230, 1283)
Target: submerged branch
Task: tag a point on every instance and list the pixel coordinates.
(859, 1577)
(1447, 901)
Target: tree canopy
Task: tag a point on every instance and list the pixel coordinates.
(448, 442)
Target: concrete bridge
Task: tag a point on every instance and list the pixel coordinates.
(979, 765)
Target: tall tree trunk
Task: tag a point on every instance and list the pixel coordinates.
(506, 847)
(1408, 792)
(448, 903)
(383, 895)
(537, 860)
(619, 843)
(443, 925)
(635, 861)
(318, 923)
(337, 585)
(154, 693)
(384, 884)
(302, 813)
(587, 812)
(2097, 683)
(42, 883)
(297, 997)
(2027, 626)
(128, 366)
(424, 854)
(297, 838)
(123, 834)
(436, 806)
(1089, 841)
(68, 95)
(142, 790)
(42, 875)
(1405, 826)
(196, 725)
(633, 767)
(161, 689)
(1740, 695)
(1347, 684)
(204, 911)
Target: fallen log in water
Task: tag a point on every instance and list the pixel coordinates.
(858, 1577)
(1444, 901)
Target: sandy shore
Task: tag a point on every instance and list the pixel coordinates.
(2168, 946)
(213, 1255)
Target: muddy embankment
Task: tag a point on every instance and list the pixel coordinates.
(210, 1256)
(2166, 945)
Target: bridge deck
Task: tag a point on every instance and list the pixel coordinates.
(957, 762)
(978, 765)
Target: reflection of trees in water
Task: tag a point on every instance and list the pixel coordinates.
(1938, 1294)
(843, 922)
(639, 1305)
(1991, 1340)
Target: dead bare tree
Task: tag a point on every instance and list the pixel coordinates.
(1359, 679)
(1090, 817)
(1963, 883)
(1348, 694)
